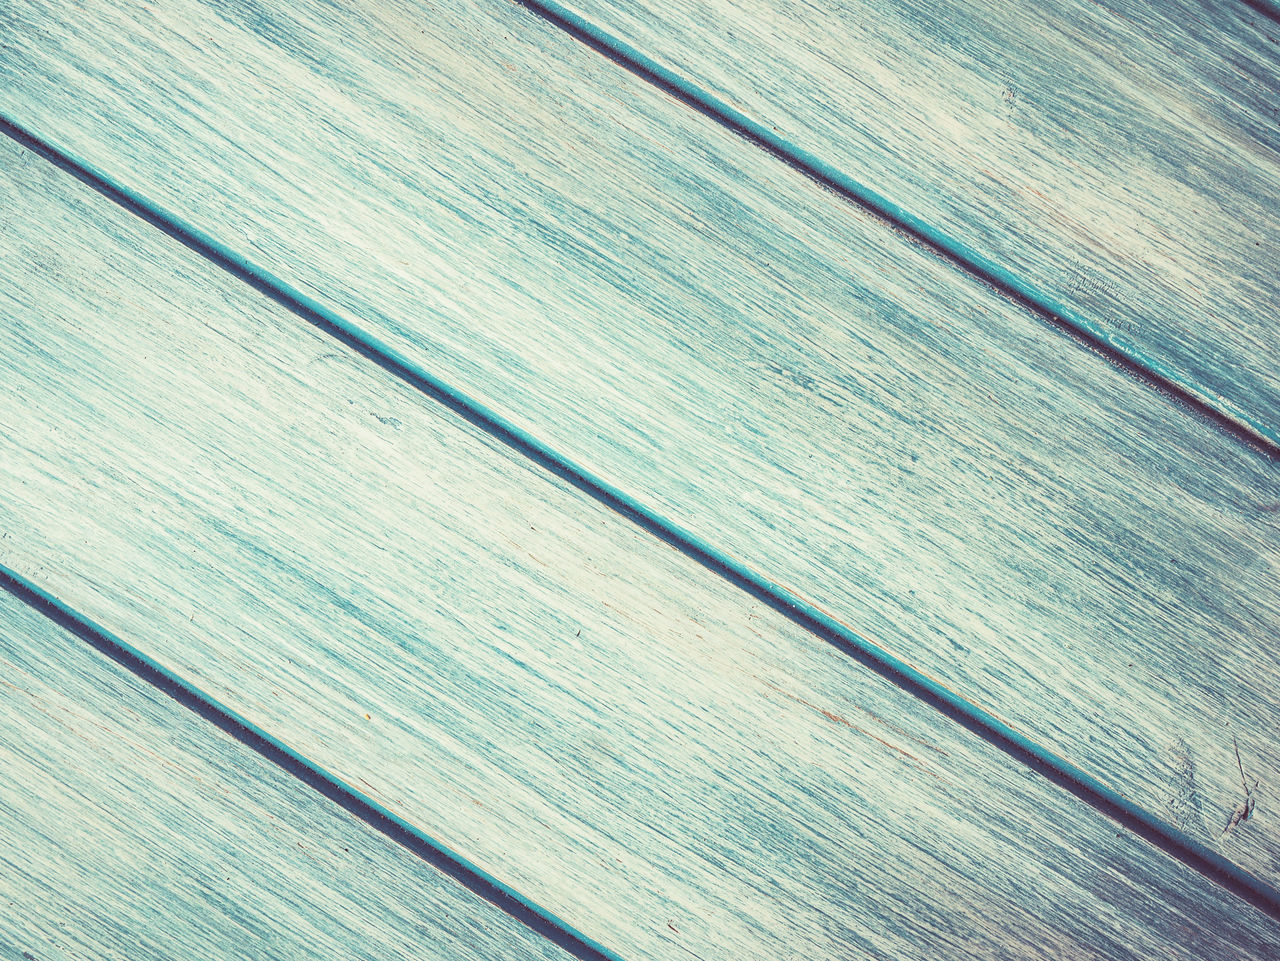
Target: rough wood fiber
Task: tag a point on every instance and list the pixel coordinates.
(580, 710)
(708, 330)
(1122, 158)
(134, 829)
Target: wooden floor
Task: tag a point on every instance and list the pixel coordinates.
(713, 479)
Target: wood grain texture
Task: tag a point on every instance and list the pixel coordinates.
(577, 708)
(753, 359)
(134, 829)
(1121, 160)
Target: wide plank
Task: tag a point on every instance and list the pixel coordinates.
(746, 355)
(582, 712)
(1118, 162)
(135, 829)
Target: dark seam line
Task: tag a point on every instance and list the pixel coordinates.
(351, 800)
(969, 715)
(1268, 8)
(1113, 347)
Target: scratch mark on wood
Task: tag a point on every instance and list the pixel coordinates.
(990, 632)
(1244, 809)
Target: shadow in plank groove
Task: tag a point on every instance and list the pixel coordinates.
(351, 800)
(1175, 385)
(959, 709)
(1268, 8)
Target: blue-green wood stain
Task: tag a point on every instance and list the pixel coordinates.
(1115, 165)
(362, 368)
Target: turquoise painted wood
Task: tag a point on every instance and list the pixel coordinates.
(705, 329)
(134, 829)
(583, 712)
(1117, 162)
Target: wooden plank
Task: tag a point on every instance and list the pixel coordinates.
(1117, 163)
(747, 356)
(134, 829)
(579, 710)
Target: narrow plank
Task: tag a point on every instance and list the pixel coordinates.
(1118, 163)
(579, 710)
(748, 356)
(134, 829)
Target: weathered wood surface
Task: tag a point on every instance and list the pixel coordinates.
(753, 359)
(1120, 159)
(583, 712)
(134, 829)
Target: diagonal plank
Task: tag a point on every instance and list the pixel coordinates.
(579, 710)
(749, 357)
(1116, 165)
(134, 829)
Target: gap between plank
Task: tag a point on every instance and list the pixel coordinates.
(1268, 8)
(975, 718)
(353, 801)
(1115, 347)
